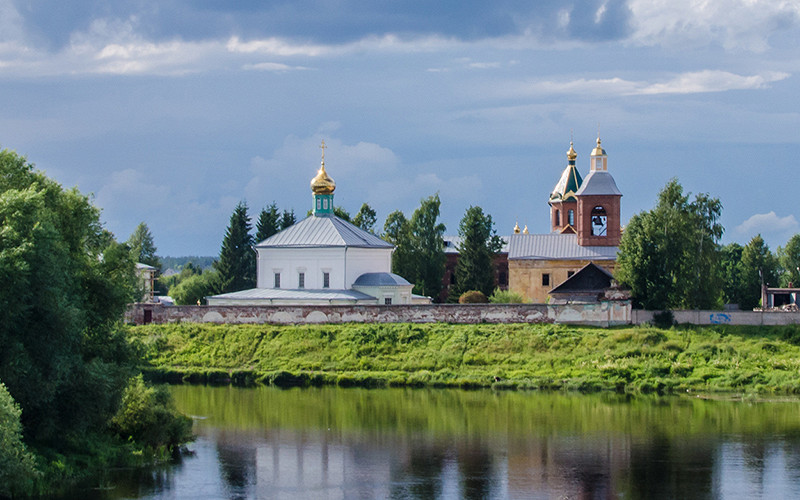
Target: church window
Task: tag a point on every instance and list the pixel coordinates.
(502, 278)
(571, 217)
(387, 301)
(558, 218)
(599, 221)
(546, 279)
(301, 280)
(325, 203)
(277, 280)
(326, 280)
(319, 204)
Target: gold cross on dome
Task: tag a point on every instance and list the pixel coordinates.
(322, 147)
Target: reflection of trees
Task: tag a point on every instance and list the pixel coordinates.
(237, 464)
(667, 468)
(476, 467)
(420, 474)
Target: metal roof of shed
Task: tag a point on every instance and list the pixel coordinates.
(555, 247)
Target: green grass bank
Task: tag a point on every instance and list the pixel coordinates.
(517, 356)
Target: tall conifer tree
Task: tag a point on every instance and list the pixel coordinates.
(143, 248)
(479, 244)
(237, 260)
(268, 223)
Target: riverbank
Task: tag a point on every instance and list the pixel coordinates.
(518, 356)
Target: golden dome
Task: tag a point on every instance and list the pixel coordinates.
(525, 231)
(571, 154)
(598, 151)
(516, 228)
(322, 183)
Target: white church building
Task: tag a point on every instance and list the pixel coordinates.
(323, 259)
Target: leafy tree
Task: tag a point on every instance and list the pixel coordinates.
(236, 266)
(479, 244)
(730, 256)
(397, 231)
(789, 259)
(758, 265)
(669, 256)
(66, 283)
(341, 213)
(473, 297)
(288, 219)
(506, 297)
(427, 247)
(195, 288)
(143, 248)
(268, 223)
(17, 465)
(366, 218)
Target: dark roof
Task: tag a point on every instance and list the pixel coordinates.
(380, 279)
(590, 278)
(567, 185)
(599, 182)
(555, 247)
(323, 231)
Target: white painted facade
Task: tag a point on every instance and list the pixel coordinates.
(343, 265)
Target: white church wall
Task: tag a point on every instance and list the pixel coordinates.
(367, 260)
(312, 262)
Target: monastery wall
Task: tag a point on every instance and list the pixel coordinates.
(757, 318)
(602, 314)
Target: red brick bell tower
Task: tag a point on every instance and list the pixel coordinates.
(598, 219)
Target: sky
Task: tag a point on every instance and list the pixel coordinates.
(172, 112)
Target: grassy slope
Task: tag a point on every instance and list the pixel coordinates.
(644, 359)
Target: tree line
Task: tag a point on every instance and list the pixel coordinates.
(70, 397)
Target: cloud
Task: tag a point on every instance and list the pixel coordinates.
(734, 24)
(768, 223)
(273, 66)
(684, 83)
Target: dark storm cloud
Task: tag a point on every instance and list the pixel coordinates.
(333, 21)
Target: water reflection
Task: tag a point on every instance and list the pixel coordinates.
(352, 443)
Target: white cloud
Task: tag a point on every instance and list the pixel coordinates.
(272, 66)
(768, 223)
(735, 24)
(684, 83)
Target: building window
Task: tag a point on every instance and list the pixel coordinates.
(277, 280)
(319, 204)
(571, 217)
(545, 279)
(325, 203)
(502, 278)
(326, 280)
(301, 280)
(599, 221)
(452, 278)
(558, 218)
(387, 301)
(570, 273)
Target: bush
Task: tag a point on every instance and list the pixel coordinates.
(506, 297)
(17, 468)
(473, 297)
(664, 319)
(148, 417)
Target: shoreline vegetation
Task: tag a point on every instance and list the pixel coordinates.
(634, 359)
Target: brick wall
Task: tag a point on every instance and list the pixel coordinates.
(601, 314)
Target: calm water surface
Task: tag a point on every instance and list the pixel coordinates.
(419, 443)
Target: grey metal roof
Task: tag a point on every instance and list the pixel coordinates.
(451, 244)
(555, 247)
(323, 231)
(293, 294)
(598, 182)
(381, 279)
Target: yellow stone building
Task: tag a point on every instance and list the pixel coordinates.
(585, 223)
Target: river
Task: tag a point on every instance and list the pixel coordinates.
(334, 443)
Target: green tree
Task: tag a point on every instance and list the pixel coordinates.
(236, 266)
(730, 257)
(17, 466)
(143, 248)
(288, 219)
(789, 259)
(758, 265)
(66, 283)
(669, 256)
(366, 218)
(427, 247)
(268, 223)
(397, 231)
(341, 213)
(195, 288)
(479, 244)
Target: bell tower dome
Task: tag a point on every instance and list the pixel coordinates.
(322, 188)
(563, 203)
